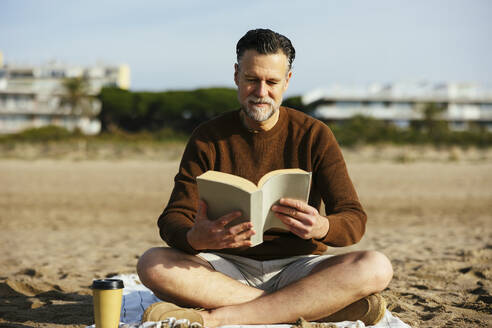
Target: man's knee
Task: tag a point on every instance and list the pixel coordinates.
(378, 269)
(152, 262)
(161, 264)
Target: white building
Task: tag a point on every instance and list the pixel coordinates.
(402, 103)
(30, 96)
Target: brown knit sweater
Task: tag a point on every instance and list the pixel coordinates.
(296, 141)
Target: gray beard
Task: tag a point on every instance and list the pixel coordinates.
(258, 114)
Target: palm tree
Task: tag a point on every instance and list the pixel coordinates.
(76, 96)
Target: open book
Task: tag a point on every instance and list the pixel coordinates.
(225, 193)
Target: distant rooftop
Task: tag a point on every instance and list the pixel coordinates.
(23, 75)
(402, 91)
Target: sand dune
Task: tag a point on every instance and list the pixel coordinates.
(67, 222)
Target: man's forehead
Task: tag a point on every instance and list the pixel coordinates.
(253, 61)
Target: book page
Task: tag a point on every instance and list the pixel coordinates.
(290, 183)
(270, 174)
(223, 198)
(226, 178)
(256, 217)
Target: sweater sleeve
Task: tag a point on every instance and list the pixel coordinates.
(179, 215)
(344, 212)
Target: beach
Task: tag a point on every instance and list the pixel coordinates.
(66, 221)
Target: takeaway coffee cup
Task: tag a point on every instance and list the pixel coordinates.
(107, 296)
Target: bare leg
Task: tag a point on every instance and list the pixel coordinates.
(333, 284)
(188, 280)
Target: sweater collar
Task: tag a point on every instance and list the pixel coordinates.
(275, 130)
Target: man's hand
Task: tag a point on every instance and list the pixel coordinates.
(302, 219)
(208, 234)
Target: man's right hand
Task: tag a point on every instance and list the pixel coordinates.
(213, 234)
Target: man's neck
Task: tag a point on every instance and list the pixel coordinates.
(255, 126)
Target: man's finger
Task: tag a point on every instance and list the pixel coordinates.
(291, 222)
(240, 228)
(305, 219)
(295, 203)
(301, 233)
(241, 240)
(242, 243)
(246, 235)
(227, 218)
(292, 212)
(295, 208)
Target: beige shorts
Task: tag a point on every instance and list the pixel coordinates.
(266, 275)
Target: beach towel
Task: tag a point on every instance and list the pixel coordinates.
(137, 297)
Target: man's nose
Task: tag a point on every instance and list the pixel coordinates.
(261, 89)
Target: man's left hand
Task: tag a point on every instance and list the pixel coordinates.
(302, 219)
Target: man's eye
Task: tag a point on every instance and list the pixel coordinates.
(272, 82)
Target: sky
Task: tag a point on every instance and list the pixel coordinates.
(190, 44)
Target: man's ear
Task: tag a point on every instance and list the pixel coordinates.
(287, 79)
(236, 74)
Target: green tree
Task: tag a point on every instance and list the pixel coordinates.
(296, 103)
(153, 111)
(117, 109)
(433, 125)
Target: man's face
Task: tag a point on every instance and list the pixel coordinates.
(261, 81)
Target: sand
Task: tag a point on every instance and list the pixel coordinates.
(65, 222)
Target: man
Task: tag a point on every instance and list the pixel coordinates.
(212, 266)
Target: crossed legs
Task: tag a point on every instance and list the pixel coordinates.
(188, 280)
